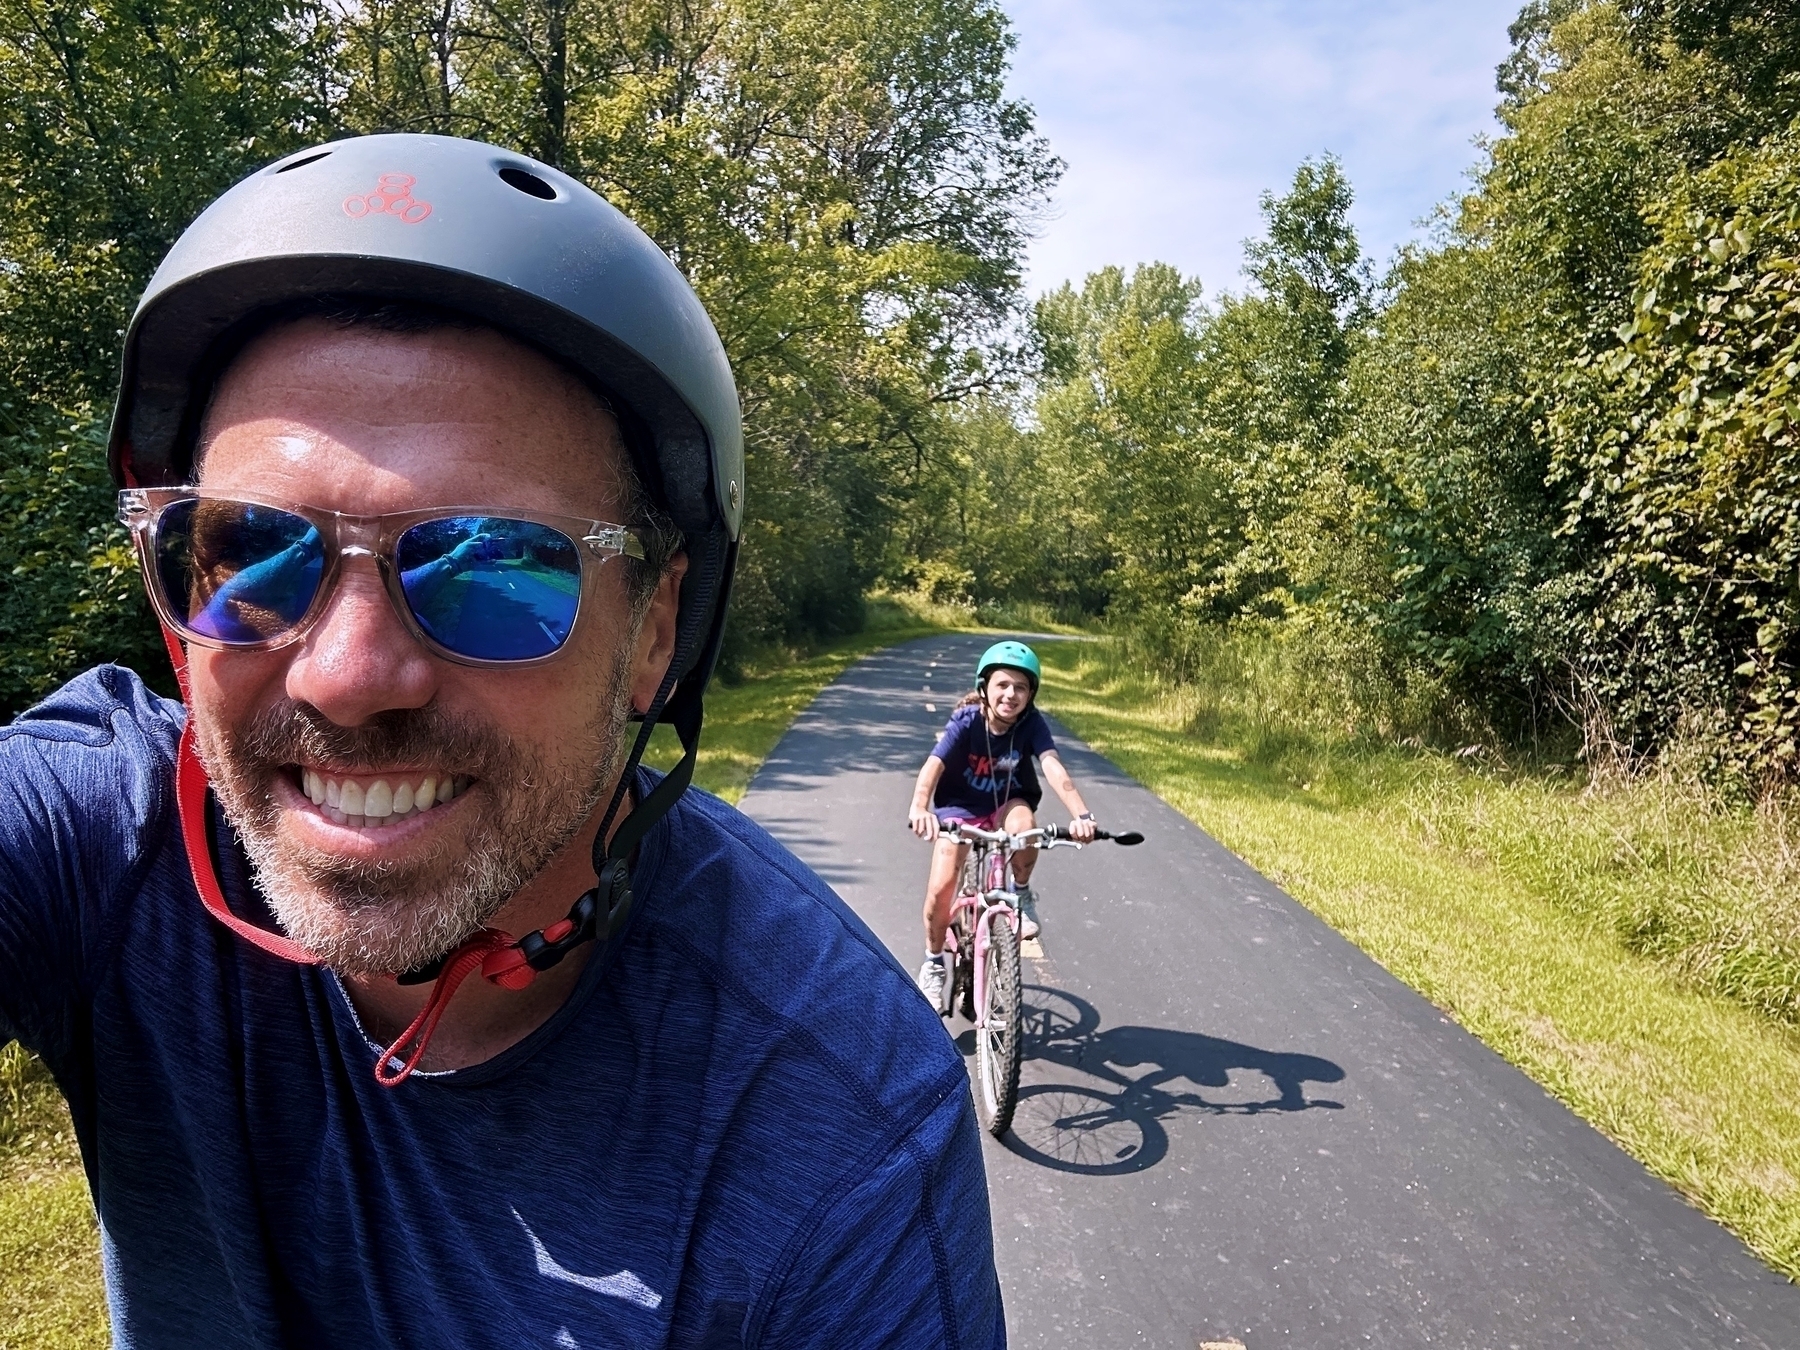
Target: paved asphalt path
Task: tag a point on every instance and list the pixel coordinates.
(1236, 1126)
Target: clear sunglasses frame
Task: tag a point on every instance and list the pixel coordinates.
(353, 536)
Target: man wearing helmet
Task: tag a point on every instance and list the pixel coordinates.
(433, 465)
(980, 771)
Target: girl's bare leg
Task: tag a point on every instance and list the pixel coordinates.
(940, 890)
(1017, 819)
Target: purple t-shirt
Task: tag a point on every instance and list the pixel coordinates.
(983, 771)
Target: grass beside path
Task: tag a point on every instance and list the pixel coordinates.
(50, 1289)
(744, 720)
(50, 1293)
(1412, 855)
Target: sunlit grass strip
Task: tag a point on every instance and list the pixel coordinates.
(50, 1292)
(1382, 844)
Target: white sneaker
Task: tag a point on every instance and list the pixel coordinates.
(1028, 919)
(931, 983)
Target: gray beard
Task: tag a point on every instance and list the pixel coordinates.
(365, 919)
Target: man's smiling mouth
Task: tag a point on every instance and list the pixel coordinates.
(370, 802)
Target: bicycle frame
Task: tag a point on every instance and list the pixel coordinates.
(992, 985)
(993, 901)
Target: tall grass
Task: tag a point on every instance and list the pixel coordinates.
(1674, 867)
(29, 1105)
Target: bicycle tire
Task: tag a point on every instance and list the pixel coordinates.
(968, 880)
(999, 1046)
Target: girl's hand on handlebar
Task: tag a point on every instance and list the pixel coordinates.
(922, 822)
(1081, 829)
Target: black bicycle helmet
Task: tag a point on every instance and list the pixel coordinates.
(506, 241)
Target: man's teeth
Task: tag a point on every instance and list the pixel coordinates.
(380, 803)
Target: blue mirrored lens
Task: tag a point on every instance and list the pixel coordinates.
(236, 572)
(491, 588)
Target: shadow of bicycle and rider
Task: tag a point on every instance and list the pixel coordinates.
(1135, 1079)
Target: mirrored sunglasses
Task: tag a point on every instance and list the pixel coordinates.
(481, 587)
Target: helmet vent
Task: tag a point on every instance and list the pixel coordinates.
(528, 183)
(302, 162)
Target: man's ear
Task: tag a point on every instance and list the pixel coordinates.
(656, 636)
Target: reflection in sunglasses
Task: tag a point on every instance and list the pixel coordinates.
(251, 573)
(487, 588)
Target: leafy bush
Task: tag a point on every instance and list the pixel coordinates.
(1693, 481)
(69, 589)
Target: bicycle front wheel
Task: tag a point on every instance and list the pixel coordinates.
(999, 1040)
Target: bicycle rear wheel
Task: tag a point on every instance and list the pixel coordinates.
(999, 1044)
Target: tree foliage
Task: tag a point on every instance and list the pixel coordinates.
(847, 186)
(1542, 468)
(1545, 470)
(122, 121)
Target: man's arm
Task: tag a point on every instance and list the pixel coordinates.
(904, 1259)
(83, 782)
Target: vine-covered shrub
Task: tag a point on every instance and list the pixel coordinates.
(1693, 483)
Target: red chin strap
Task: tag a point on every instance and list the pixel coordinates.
(496, 954)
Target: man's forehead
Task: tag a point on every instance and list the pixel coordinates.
(419, 361)
(449, 401)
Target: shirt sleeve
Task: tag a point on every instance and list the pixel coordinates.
(945, 749)
(904, 1260)
(1038, 737)
(82, 779)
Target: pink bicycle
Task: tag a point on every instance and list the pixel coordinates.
(982, 949)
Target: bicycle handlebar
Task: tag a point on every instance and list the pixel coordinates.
(1050, 834)
(1061, 832)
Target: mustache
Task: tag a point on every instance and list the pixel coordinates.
(428, 737)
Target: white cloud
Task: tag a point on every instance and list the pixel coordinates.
(1174, 117)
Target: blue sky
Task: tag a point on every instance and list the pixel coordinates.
(1174, 116)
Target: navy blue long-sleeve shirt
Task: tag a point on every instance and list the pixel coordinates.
(744, 1128)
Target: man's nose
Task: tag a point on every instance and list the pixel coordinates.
(360, 659)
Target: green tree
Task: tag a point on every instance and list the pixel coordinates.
(1692, 479)
(847, 186)
(122, 121)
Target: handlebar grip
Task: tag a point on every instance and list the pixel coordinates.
(1128, 837)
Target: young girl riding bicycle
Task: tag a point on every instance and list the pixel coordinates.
(980, 771)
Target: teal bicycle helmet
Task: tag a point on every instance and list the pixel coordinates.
(1012, 655)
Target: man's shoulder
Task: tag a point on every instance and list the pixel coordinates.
(88, 711)
(797, 964)
(85, 809)
(100, 745)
